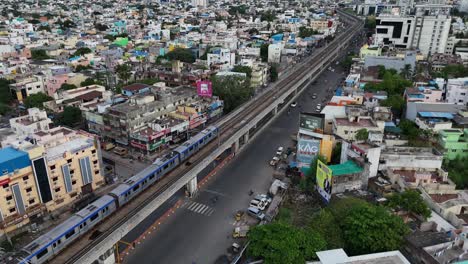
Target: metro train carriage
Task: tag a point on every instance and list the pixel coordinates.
(51, 243)
(192, 145)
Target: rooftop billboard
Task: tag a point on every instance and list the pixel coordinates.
(307, 150)
(204, 88)
(311, 122)
(324, 180)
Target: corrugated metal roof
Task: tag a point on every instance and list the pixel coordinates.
(349, 167)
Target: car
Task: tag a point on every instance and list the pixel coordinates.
(260, 204)
(120, 151)
(314, 96)
(293, 104)
(279, 151)
(263, 196)
(274, 161)
(255, 212)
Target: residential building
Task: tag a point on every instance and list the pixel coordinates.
(457, 91)
(36, 120)
(410, 158)
(434, 121)
(339, 256)
(25, 87)
(413, 108)
(355, 120)
(367, 50)
(397, 62)
(274, 53)
(367, 151)
(454, 142)
(424, 94)
(222, 58)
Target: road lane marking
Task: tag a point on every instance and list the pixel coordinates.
(201, 209)
(192, 205)
(196, 207)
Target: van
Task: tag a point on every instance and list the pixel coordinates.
(255, 212)
(120, 151)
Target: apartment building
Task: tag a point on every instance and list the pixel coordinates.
(61, 167)
(457, 91)
(36, 120)
(454, 142)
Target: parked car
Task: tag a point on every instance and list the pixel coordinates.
(279, 151)
(274, 161)
(260, 204)
(240, 231)
(293, 104)
(255, 212)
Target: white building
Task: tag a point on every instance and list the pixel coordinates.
(274, 53)
(27, 86)
(427, 31)
(200, 3)
(457, 91)
(223, 57)
(35, 121)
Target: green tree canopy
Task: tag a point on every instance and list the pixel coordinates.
(42, 27)
(264, 52)
(457, 169)
(36, 100)
(396, 102)
(184, 55)
(362, 134)
(409, 129)
(268, 16)
(244, 69)
(281, 243)
(368, 229)
(70, 116)
(124, 72)
(370, 22)
(410, 201)
(233, 90)
(5, 93)
(273, 72)
(82, 51)
(39, 55)
(306, 32)
(392, 83)
(328, 227)
(89, 81)
(67, 86)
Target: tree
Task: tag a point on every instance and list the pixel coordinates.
(336, 154)
(39, 55)
(80, 67)
(89, 81)
(5, 95)
(67, 86)
(70, 116)
(396, 102)
(82, 51)
(362, 134)
(124, 72)
(233, 90)
(409, 129)
(184, 55)
(244, 69)
(36, 100)
(253, 31)
(264, 52)
(274, 73)
(281, 243)
(370, 22)
(101, 27)
(268, 16)
(457, 169)
(410, 201)
(328, 227)
(369, 229)
(46, 28)
(406, 72)
(306, 32)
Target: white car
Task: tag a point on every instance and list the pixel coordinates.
(274, 161)
(279, 152)
(293, 104)
(260, 204)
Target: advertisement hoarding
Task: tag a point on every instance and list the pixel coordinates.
(324, 180)
(307, 150)
(311, 122)
(204, 88)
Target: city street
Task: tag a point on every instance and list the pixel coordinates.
(200, 231)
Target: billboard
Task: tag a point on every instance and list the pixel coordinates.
(324, 180)
(307, 150)
(204, 88)
(311, 122)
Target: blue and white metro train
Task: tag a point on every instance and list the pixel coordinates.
(52, 242)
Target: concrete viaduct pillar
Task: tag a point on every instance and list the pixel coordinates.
(236, 146)
(275, 111)
(192, 187)
(246, 137)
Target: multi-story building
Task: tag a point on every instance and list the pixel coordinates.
(25, 87)
(347, 127)
(27, 125)
(427, 30)
(405, 158)
(274, 53)
(454, 142)
(457, 91)
(424, 94)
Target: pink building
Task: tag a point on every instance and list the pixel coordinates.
(428, 94)
(54, 82)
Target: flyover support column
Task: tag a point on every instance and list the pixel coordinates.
(236, 146)
(275, 111)
(246, 137)
(192, 187)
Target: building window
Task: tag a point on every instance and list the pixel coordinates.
(72, 171)
(6, 186)
(52, 167)
(28, 190)
(69, 161)
(54, 179)
(12, 210)
(25, 178)
(9, 198)
(95, 162)
(32, 201)
(93, 151)
(57, 190)
(73, 182)
(96, 172)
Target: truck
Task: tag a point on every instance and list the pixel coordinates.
(240, 231)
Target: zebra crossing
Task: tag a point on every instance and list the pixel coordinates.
(199, 208)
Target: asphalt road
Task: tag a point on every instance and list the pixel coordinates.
(200, 231)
